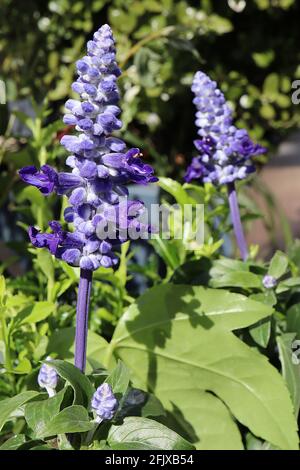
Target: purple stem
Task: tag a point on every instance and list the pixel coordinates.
(82, 313)
(236, 221)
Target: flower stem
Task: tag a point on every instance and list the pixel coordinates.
(236, 221)
(82, 312)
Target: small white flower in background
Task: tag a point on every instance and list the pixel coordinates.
(237, 5)
(269, 282)
(48, 378)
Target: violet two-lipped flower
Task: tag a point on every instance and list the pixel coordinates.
(100, 168)
(225, 152)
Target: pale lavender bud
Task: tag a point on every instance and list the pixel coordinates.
(269, 281)
(48, 378)
(104, 402)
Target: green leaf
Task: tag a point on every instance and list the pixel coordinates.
(287, 284)
(38, 414)
(24, 367)
(83, 389)
(14, 442)
(176, 190)
(261, 332)
(41, 447)
(204, 420)
(293, 320)
(142, 433)
(242, 279)
(278, 265)
(9, 405)
(290, 371)
(178, 338)
(2, 290)
(119, 379)
(152, 407)
(169, 250)
(62, 343)
(45, 263)
(223, 265)
(263, 59)
(139, 403)
(73, 419)
(33, 314)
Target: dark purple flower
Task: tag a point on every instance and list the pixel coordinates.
(44, 179)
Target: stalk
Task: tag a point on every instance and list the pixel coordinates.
(236, 221)
(82, 313)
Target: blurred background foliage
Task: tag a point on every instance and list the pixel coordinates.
(245, 45)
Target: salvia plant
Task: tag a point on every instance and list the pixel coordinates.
(202, 340)
(101, 168)
(225, 152)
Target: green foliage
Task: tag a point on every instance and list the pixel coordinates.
(63, 422)
(145, 434)
(178, 336)
(160, 46)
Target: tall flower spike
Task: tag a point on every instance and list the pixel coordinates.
(101, 167)
(225, 152)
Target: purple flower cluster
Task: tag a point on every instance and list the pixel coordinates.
(225, 152)
(48, 378)
(100, 165)
(104, 403)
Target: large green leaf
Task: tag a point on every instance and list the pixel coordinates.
(39, 413)
(70, 420)
(290, 371)
(62, 343)
(83, 389)
(33, 314)
(293, 319)
(203, 413)
(241, 279)
(14, 442)
(278, 264)
(9, 405)
(119, 379)
(176, 190)
(178, 338)
(145, 434)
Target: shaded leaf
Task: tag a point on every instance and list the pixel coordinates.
(142, 433)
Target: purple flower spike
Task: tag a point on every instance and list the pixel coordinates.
(225, 151)
(48, 378)
(104, 403)
(100, 168)
(269, 282)
(100, 164)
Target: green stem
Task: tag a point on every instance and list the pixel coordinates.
(145, 40)
(8, 361)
